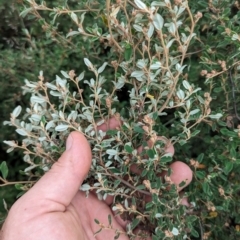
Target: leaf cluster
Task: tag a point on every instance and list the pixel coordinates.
(182, 84)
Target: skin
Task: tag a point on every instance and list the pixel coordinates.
(55, 209)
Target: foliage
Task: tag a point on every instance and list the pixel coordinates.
(182, 84)
(25, 50)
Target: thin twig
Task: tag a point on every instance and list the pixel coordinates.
(131, 186)
(233, 94)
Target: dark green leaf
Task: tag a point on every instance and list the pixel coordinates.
(155, 116)
(117, 235)
(111, 132)
(193, 134)
(97, 231)
(109, 219)
(228, 133)
(233, 152)
(144, 172)
(134, 223)
(166, 159)
(206, 187)
(138, 129)
(228, 167)
(140, 187)
(128, 52)
(116, 183)
(128, 148)
(182, 142)
(115, 170)
(150, 153)
(200, 157)
(96, 221)
(19, 186)
(182, 184)
(4, 169)
(221, 123)
(194, 233)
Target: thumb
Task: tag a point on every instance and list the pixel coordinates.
(61, 183)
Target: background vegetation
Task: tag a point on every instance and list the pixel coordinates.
(28, 45)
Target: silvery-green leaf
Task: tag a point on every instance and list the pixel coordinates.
(42, 139)
(178, 23)
(188, 104)
(194, 111)
(65, 74)
(100, 122)
(108, 164)
(85, 187)
(137, 74)
(101, 69)
(72, 33)
(196, 90)
(16, 111)
(74, 17)
(10, 143)
(7, 123)
(92, 82)
(88, 63)
(180, 68)
(80, 30)
(10, 150)
(97, 184)
(158, 48)
(81, 76)
(158, 215)
(171, 27)
(150, 30)
(235, 37)
(158, 21)
(137, 27)
(215, 116)
(169, 44)
(31, 85)
(180, 94)
(140, 4)
(61, 115)
(25, 12)
(120, 83)
(61, 82)
(45, 168)
(141, 63)
(171, 103)
(21, 132)
(112, 152)
(155, 65)
(55, 93)
(158, 4)
(175, 231)
(180, 10)
(186, 85)
(50, 125)
(30, 168)
(184, 38)
(61, 127)
(36, 99)
(36, 117)
(82, 17)
(51, 86)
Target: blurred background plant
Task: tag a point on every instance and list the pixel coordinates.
(37, 41)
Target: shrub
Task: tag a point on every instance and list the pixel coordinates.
(179, 81)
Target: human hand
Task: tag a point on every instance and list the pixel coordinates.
(54, 208)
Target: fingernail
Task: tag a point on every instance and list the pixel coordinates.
(69, 142)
